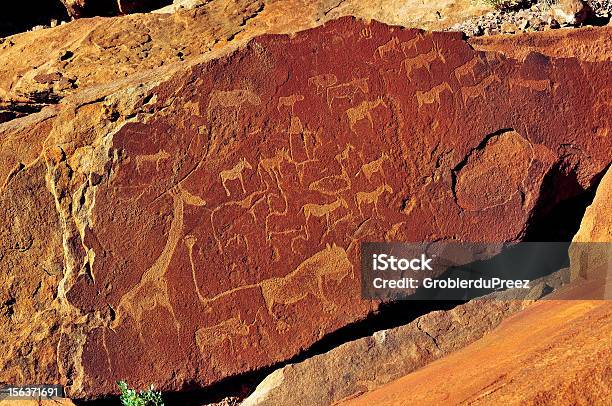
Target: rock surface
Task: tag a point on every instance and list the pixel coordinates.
(591, 250)
(572, 12)
(564, 343)
(365, 364)
(99, 50)
(204, 222)
(587, 44)
(540, 16)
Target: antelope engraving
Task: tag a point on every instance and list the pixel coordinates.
(478, 90)
(372, 197)
(272, 165)
(389, 47)
(323, 81)
(433, 94)
(373, 167)
(467, 69)
(363, 110)
(323, 210)
(423, 61)
(347, 90)
(235, 173)
(412, 43)
(288, 101)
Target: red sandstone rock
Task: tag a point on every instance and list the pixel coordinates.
(219, 230)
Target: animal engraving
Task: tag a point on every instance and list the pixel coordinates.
(330, 264)
(272, 165)
(478, 90)
(373, 167)
(412, 43)
(323, 210)
(323, 81)
(422, 61)
(372, 197)
(467, 69)
(152, 289)
(235, 173)
(232, 98)
(531, 84)
(157, 157)
(347, 90)
(390, 46)
(363, 110)
(288, 101)
(432, 95)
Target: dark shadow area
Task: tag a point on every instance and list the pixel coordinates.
(560, 207)
(598, 21)
(20, 16)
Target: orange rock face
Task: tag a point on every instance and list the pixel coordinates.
(565, 345)
(217, 229)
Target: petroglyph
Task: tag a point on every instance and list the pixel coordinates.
(373, 167)
(372, 197)
(389, 47)
(347, 90)
(156, 158)
(467, 69)
(272, 165)
(235, 173)
(323, 81)
(531, 84)
(363, 110)
(288, 101)
(189, 198)
(433, 94)
(227, 330)
(152, 289)
(411, 44)
(345, 155)
(323, 210)
(423, 61)
(335, 184)
(365, 33)
(232, 99)
(480, 89)
(331, 263)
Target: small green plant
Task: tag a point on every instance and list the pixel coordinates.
(129, 397)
